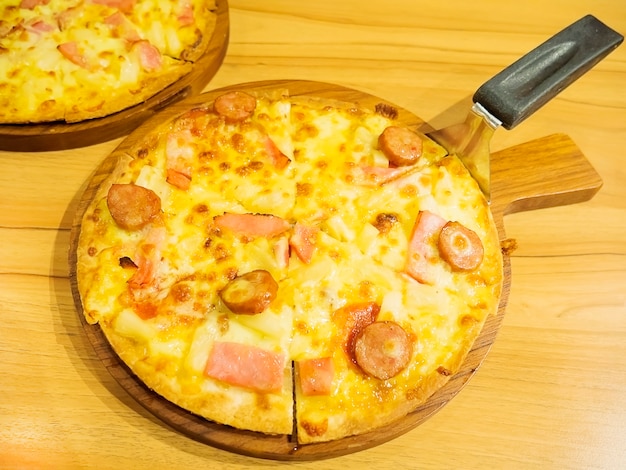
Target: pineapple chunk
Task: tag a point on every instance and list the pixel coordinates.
(173, 348)
(130, 325)
(153, 178)
(269, 323)
(367, 238)
(338, 229)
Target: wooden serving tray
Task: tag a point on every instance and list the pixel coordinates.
(61, 136)
(546, 172)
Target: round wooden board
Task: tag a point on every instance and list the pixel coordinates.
(61, 136)
(565, 177)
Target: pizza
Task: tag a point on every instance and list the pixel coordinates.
(73, 60)
(289, 264)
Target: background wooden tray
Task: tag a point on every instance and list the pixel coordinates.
(59, 136)
(546, 172)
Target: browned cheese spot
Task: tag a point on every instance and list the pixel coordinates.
(181, 292)
(315, 429)
(220, 252)
(409, 191)
(206, 156)
(238, 142)
(384, 222)
(467, 321)
(304, 189)
(508, 246)
(386, 110)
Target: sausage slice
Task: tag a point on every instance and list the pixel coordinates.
(131, 206)
(400, 145)
(235, 106)
(460, 247)
(250, 293)
(383, 349)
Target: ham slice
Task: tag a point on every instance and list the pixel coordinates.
(122, 5)
(316, 376)
(186, 16)
(122, 26)
(70, 51)
(31, 4)
(147, 258)
(149, 56)
(376, 175)
(423, 246)
(180, 156)
(303, 241)
(246, 366)
(252, 225)
(278, 158)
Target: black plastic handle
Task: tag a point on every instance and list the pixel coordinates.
(530, 82)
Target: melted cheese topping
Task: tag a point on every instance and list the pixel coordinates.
(362, 226)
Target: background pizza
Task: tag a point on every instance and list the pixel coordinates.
(71, 60)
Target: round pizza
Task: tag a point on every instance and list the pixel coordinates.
(72, 60)
(289, 264)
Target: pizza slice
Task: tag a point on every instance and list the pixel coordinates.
(385, 305)
(377, 327)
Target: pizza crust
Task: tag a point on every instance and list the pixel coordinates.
(109, 101)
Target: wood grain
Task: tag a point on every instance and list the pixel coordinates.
(552, 157)
(551, 393)
(59, 136)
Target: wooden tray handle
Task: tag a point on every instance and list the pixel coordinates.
(546, 172)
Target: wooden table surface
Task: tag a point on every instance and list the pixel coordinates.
(552, 392)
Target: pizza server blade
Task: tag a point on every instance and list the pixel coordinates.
(522, 88)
